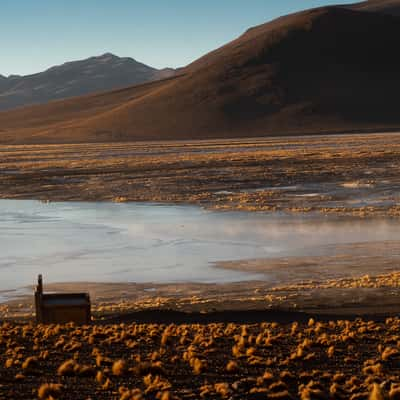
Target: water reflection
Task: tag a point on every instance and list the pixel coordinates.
(106, 242)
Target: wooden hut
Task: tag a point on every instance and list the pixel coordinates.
(60, 308)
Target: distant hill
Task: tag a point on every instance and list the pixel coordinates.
(76, 78)
(391, 7)
(326, 70)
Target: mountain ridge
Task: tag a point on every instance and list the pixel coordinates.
(391, 7)
(76, 78)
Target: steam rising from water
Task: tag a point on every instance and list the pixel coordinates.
(106, 242)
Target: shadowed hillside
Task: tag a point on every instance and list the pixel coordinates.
(323, 70)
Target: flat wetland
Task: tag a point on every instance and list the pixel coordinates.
(191, 339)
(355, 178)
(348, 174)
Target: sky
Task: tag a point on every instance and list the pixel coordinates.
(37, 34)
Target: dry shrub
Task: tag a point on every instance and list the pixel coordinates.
(67, 368)
(146, 368)
(49, 389)
(30, 363)
(119, 368)
(232, 366)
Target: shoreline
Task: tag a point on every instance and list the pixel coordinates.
(349, 280)
(370, 296)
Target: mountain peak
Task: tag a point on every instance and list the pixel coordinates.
(108, 56)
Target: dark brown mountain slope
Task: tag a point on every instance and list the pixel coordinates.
(76, 78)
(324, 70)
(391, 7)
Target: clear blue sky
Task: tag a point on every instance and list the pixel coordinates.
(36, 34)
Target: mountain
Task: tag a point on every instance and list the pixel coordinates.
(76, 78)
(3, 81)
(391, 7)
(330, 69)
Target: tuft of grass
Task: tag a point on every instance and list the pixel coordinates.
(67, 368)
(377, 393)
(232, 366)
(30, 363)
(48, 390)
(119, 368)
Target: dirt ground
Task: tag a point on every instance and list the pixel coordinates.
(334, 359)
(345, 174)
